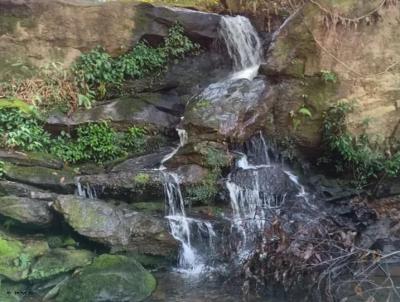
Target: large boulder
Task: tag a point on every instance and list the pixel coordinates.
(22, 190)
(313, 65)
(26, 210)
(59, 261)
(117, 227)
(229, 109)
(110, 278)
(31, 33)
(152, 110)
(58, 180)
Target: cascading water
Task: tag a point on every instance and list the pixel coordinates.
(183, 228)
(243, 44)
(257, 187)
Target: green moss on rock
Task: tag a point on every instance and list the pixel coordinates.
(109, 278)
(16, 256)
(59, 261)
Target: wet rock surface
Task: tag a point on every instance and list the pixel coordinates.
(227, 109)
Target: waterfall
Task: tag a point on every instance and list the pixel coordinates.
(253, 196)
(85, 191)
(243, 44)
(183, 228)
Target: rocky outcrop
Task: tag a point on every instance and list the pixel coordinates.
(26, 210)
(31, 159)
(138, 185)
(31, 33)
(230, 109)
(116, 227)
(110, 278)
(154, 111)
(61, 181)
(305, 50)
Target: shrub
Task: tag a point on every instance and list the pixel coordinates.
(20, 130)
(98, 71)
(357, 154)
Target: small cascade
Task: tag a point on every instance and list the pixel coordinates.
(254, 196)
(85, 191)
(183, 228)
(243, 44)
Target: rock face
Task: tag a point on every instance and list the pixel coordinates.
(57, 180)
(110, 278)
(155, 111)
(304, 46)
(118, 228)
(26, 210)
(31, 32)
(228, 109)
(137, 185)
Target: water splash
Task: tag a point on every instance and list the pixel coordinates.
(85, 191)
(243, 44)
(183, 227)
(253, 202)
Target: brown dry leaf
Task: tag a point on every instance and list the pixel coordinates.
(62, 180)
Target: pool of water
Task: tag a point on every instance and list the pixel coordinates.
(182, 287)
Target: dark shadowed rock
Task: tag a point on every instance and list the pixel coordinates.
(26, 210)
(148, 161)
(117, 227)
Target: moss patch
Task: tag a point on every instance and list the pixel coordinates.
(59, 261)
(118, 278)
(16, 257)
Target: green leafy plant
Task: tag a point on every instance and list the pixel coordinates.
(134, 140)
(206, 191)
(357, 154)
(300, 116)
(19, 130)
(328, 76)
(95, 142)
(97, 71)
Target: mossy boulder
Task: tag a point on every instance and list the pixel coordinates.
(57, 180)
(110, 278)
(26, 210)
(17, 256)
(59, 261)
(118, 227)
